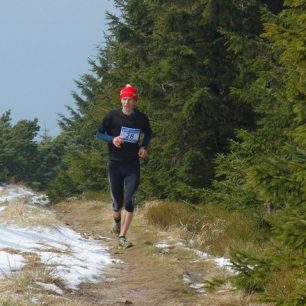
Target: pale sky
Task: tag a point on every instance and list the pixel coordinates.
(44, 47)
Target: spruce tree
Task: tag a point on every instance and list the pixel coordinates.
(18, 149)
(279, 178)
(177, 55)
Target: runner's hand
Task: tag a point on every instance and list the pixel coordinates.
(142, 153)
(117, 142)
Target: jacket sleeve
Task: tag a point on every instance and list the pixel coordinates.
(104, 137)
(147, 134)
(103, 129)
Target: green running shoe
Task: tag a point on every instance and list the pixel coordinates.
(116, 227)
(124, 243)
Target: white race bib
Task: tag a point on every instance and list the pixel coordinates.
(130, 135)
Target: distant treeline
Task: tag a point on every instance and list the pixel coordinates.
(224, 85)
(24, 156)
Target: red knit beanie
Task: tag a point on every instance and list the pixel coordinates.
(128, 91)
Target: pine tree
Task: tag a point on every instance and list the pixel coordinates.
(176, 53)
(280, 177)
(18, 149)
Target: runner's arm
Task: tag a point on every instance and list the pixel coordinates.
(105, 137)
(146, 139)
(147, 134)
(103, 128)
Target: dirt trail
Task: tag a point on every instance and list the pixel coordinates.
(146, 276)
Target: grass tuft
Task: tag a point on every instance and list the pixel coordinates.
(166, 214)
(24, 215)
(210, 227)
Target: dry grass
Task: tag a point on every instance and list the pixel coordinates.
(182, 261)
(22, 289)
(222, 230)
(286, 283)
(165, 214)
(24, 215)
(211, 228)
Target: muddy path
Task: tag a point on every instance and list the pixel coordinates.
(145, 275)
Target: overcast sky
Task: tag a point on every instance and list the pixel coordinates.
(44, 47)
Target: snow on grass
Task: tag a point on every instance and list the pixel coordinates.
(193, 279)
(201, 254)
(51, 287)
(69, 256)
(172, 242)
(192, 283)
(64, 252)
(224, 263)
(162, 245)
(11, 193)
(10, 262)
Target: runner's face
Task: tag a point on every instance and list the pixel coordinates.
(128, 104)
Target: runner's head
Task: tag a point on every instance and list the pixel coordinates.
(129, 91)
(128, 96)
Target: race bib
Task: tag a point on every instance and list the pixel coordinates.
(130, 135)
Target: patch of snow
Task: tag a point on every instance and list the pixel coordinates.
(187, 279)
(200, 253)
(69, 256)
(12, 193)
(65, 252)
(39, 200)
(10, 263)
(199, 287)
(34, 300)
(224, 263)
(162, 245)
(51, 287)
(171, 242)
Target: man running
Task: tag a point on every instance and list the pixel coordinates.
(121, 129)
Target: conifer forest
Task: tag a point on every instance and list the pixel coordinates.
(224, 86)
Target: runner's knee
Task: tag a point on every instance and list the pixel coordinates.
(129, 207)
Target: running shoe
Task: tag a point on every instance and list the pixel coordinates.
(124, 243)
